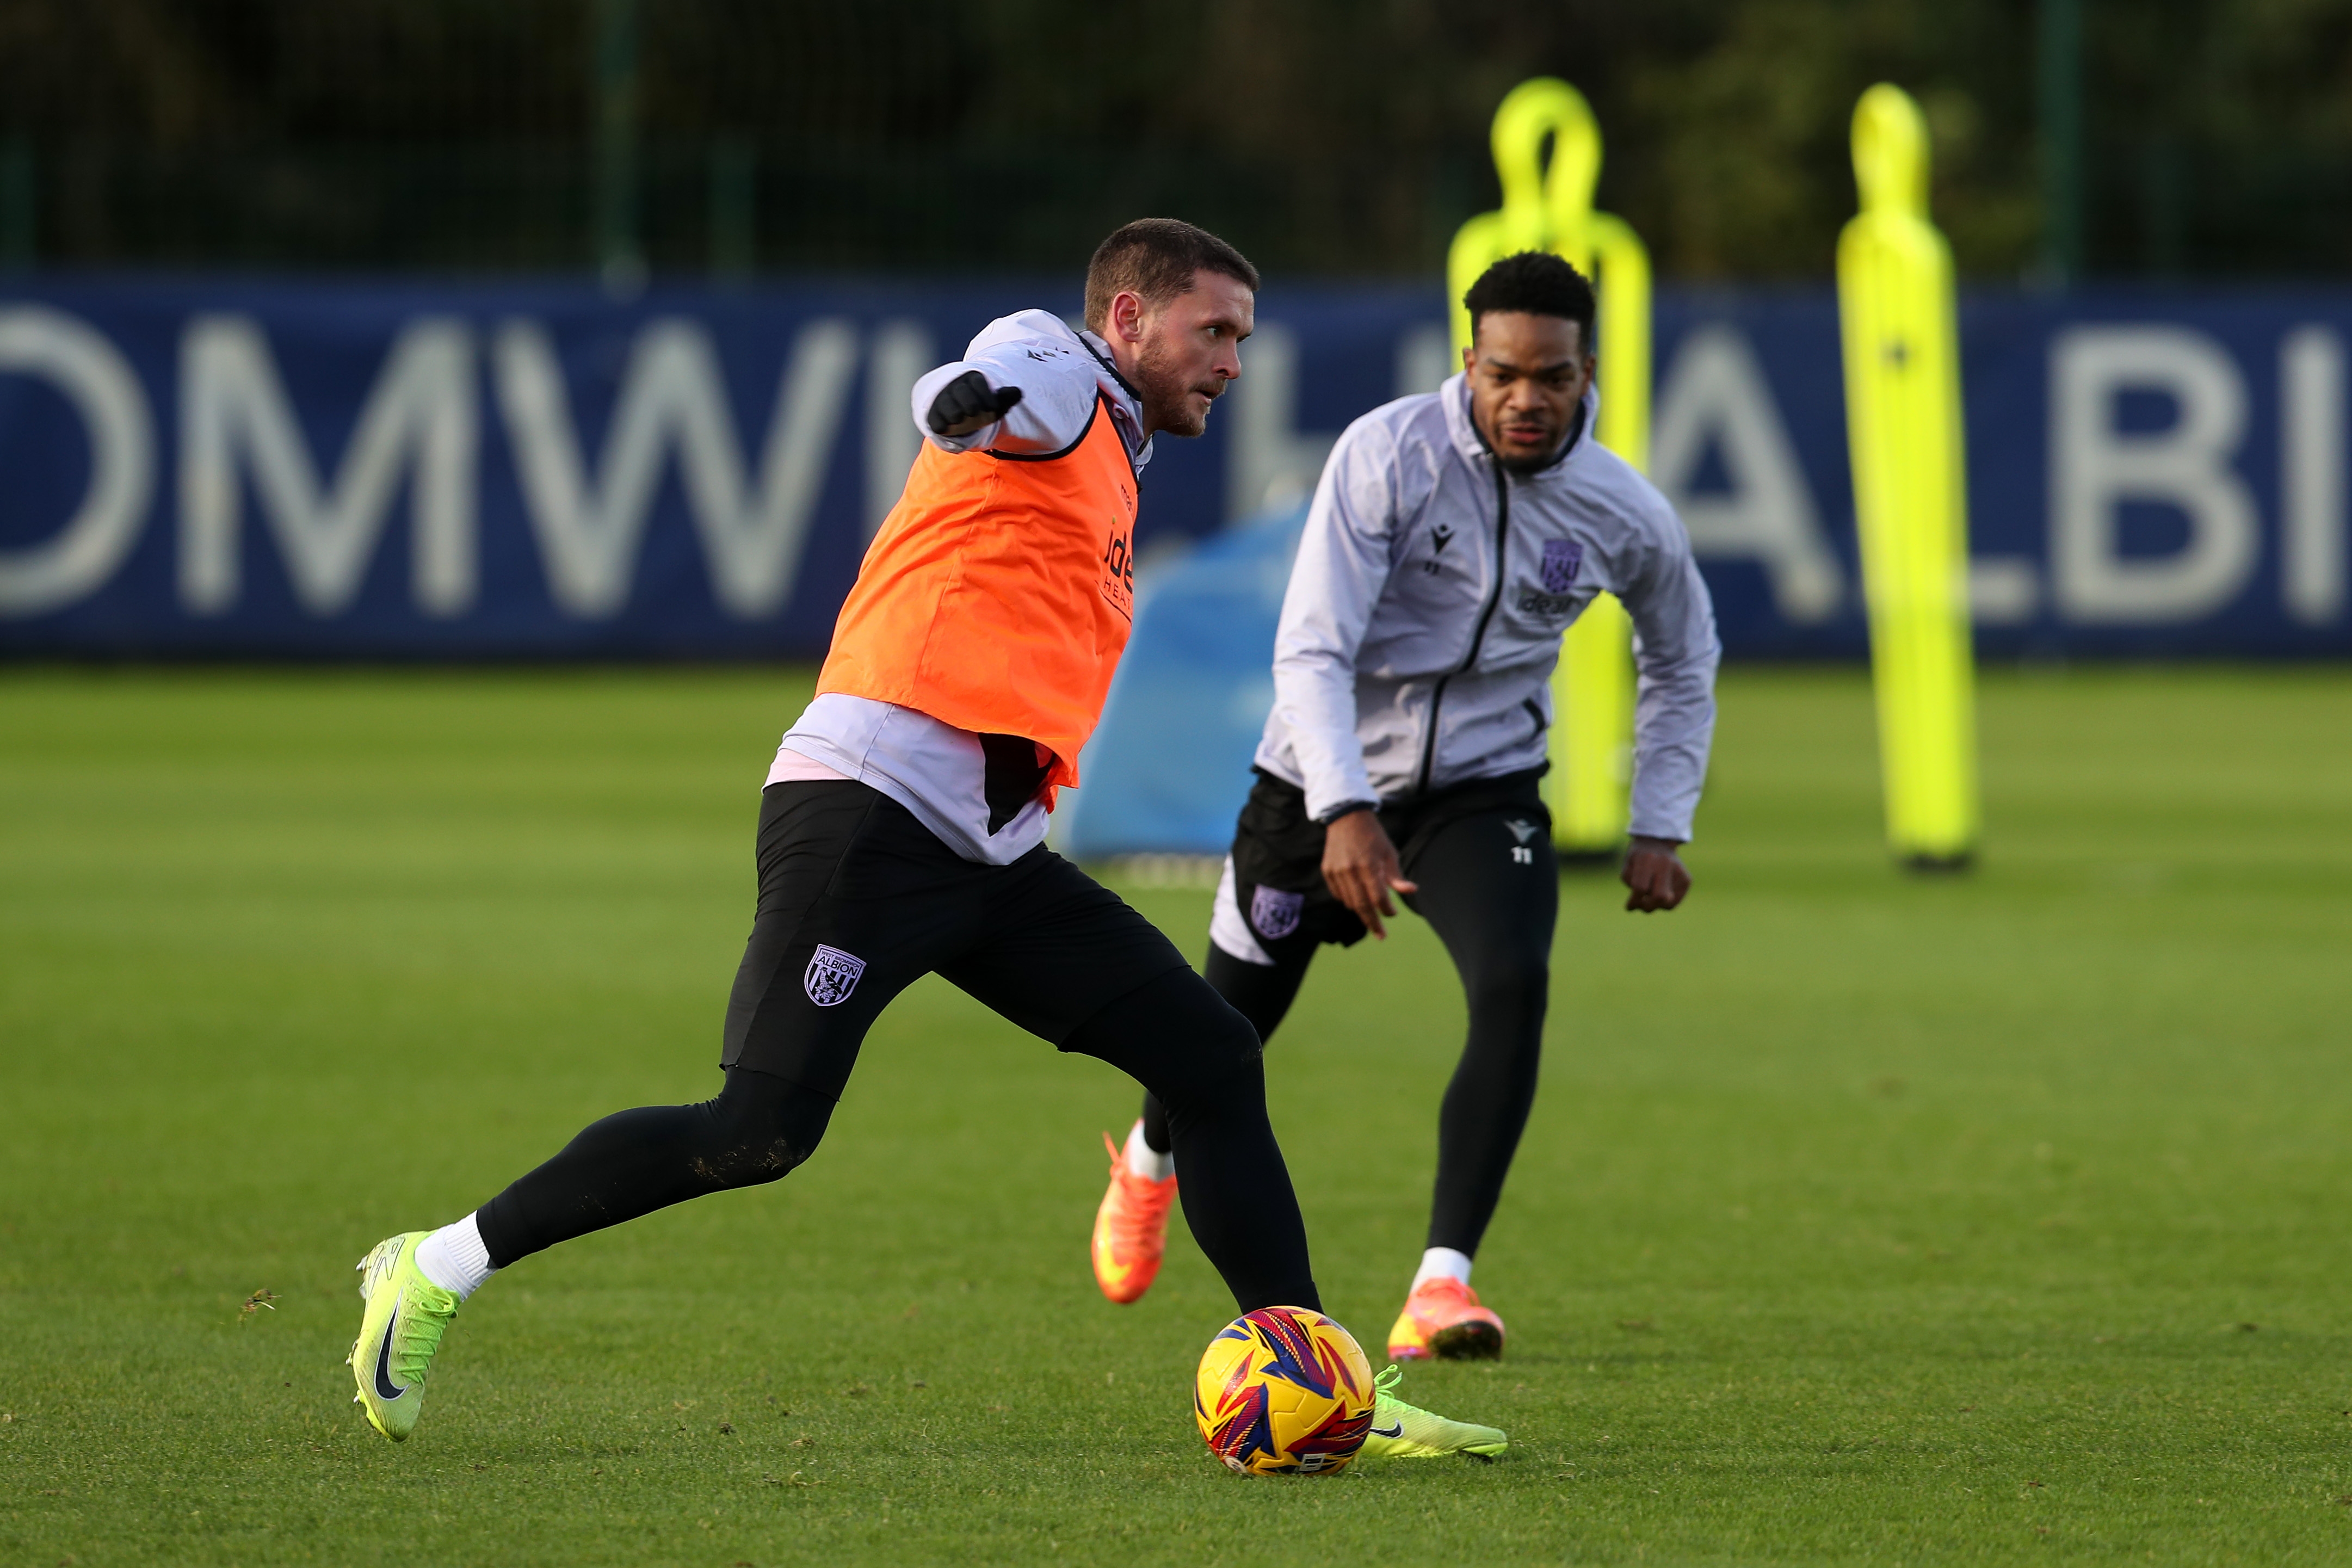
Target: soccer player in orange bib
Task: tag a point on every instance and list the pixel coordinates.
(902, 825)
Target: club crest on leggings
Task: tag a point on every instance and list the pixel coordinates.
(832, 976)
(1273, 913)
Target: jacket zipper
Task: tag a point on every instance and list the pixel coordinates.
(1478, 636)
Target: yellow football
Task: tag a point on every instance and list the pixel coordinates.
(1283, 1391)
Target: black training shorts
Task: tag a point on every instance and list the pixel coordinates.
(1279, 851)
(859, 900)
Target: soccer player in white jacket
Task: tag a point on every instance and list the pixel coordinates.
(1453, 539)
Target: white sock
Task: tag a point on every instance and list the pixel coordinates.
(1144, 1159)
(455, 1258)
(1442, 1260)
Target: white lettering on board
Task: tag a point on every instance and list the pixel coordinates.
(672, 397)
(76, 561)
(421, 415)
(2096, 467)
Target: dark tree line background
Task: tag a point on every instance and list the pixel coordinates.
(1326, 137)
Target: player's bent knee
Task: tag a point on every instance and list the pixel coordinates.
(766, 1128)
(750, 1166)
(1227, 1038)
(1510, 984)
(1222, 1065)
(1181, 1041)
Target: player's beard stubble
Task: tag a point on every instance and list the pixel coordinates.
(1169, 397)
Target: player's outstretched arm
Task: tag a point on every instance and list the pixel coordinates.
(1656, 875)
(1025, 384)
(968, 404)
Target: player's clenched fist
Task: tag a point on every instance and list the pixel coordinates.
(968, 404)
(1655, 874)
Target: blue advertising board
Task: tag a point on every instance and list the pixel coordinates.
(318, 469)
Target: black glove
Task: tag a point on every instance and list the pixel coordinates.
(966, 398)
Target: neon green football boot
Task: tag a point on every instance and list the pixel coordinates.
(407, 1315)
(1401, 1431)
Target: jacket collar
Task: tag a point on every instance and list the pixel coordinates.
(1454, 397)
(1126, 401)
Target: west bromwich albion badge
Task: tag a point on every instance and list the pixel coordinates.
(832, 976)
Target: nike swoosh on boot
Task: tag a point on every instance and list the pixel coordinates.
(385, 1389)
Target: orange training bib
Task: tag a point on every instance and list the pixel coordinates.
(998, 596)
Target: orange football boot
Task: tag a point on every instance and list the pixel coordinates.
(1130, 1229)
(1443, 1319)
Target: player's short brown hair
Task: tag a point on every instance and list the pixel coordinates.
(1157, 258)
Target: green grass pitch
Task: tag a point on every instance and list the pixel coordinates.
(1863, 1218)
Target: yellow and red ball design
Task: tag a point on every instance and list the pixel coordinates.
(1283, 1391)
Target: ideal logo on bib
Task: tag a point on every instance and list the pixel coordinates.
(832, 976)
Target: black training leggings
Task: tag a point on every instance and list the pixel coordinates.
(635, 1162)
(1196, 1055)
(858, 899)
(1495, 919)
(1200, 1058)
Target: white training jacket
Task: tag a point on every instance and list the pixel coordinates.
(1425, 610)
(933, 769)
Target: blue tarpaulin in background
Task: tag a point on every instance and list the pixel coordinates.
(1166, 769)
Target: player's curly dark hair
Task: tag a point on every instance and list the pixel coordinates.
(1538, 284)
